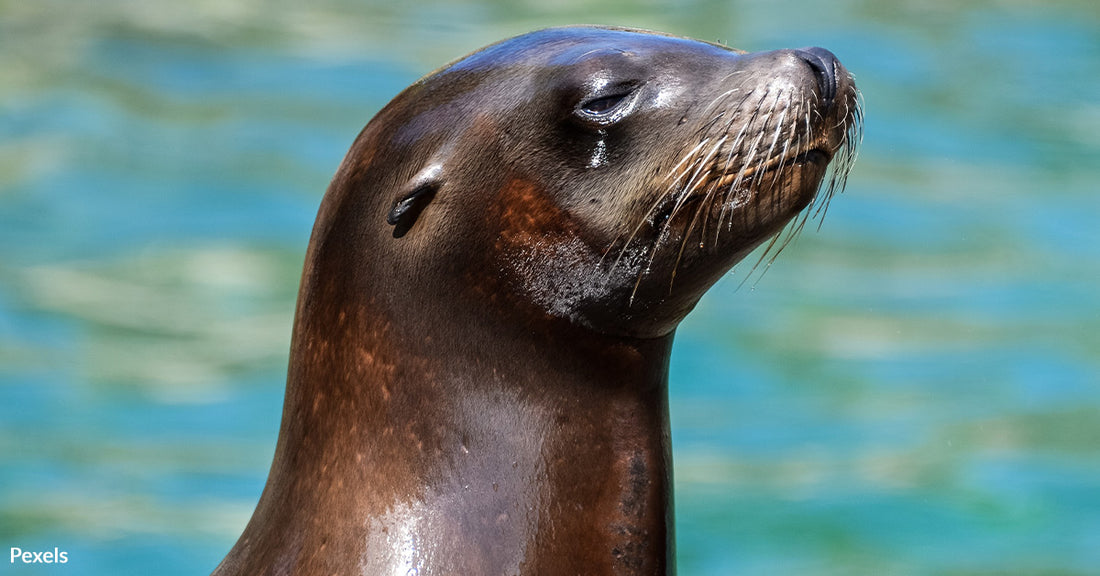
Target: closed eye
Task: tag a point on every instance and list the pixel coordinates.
(603, 104)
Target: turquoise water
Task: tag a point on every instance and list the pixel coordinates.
(913, 389)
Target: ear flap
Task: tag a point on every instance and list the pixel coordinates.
(407, 208)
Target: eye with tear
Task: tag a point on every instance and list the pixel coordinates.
(608, 106)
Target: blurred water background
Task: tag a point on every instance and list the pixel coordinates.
(911, 390)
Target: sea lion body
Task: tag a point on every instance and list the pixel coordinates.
(479, 366)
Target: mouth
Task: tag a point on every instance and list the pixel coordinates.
(742, 179)
(817, 155)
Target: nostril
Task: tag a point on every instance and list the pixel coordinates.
(823, 63)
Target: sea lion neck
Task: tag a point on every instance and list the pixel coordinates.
(545, 450)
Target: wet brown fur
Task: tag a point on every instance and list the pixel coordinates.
(487, 393)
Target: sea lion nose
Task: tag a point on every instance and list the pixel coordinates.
(824, 64)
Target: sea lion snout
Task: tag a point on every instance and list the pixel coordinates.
(824, 64)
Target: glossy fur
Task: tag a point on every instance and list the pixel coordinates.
(479, 366)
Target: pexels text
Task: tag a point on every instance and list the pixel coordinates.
(56, 556)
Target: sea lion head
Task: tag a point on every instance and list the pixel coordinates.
(599, 177)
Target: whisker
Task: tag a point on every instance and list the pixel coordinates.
(748, 143)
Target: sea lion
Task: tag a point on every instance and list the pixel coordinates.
(479, 365)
